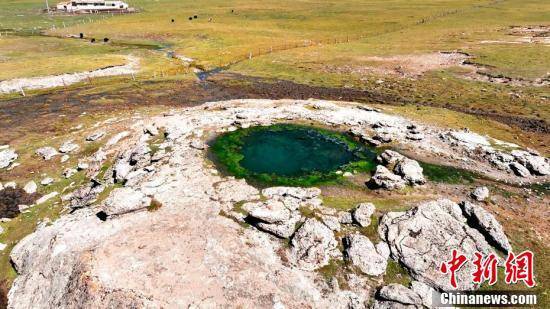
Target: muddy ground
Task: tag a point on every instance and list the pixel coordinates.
(46, 113)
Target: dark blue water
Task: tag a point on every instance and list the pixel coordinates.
(293, 152)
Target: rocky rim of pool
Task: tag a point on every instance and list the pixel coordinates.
(290, 154)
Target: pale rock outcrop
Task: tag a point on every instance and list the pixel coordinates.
(235, 190)
(68, 146)
(362, 253)
(480, 193)
(399, 293)
(95, 136)
(411, 171)
(30, 187)
(46, 198)
(362, 213)
(116, 138)
(64, 158)
(151, 129)
(536, 164)
(10, 184)
(425, 292)
(389, 157)
(312, 245)
(519, 169)
(272, 216)
(345, 217)
(69, 172)
(125, 200)
(385, 179)
(7, 156)
(46, 152)
(46, 181)
(423, 237)
(82, 166)
(294, 197)
(487, 223)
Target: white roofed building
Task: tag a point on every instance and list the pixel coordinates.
(91, 6)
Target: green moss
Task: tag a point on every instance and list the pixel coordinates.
(447, 174)
(396, 273)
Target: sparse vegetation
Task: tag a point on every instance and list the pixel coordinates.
(154, 205)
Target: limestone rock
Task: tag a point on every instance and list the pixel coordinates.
(117, 137)
(69, 172)
(537, 165)
(65, 158)
(7, 156)
(410, 170)
(82, 166)
(68, 146)
(312, 244)
(294, 197)
(95, 136)
(389, 157)
(424, 236)
(399, 293)
(46, 152)
(480, 193)
(235, 190)
(345, 217)
(271, 211)
(331, 222)
(285, 229)
(385, 179)
(10, 184)
(46, 181)
(46, 198)
(362, 213)
(425, 292)
(30, 187)
(85, 196)
(151, 129)
(487, 223)
(125, 200)
(362, 253)
(519, 169)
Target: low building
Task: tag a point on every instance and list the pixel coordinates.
(92, 6)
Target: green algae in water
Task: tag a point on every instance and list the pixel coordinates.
(287, 154)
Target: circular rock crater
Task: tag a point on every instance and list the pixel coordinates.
(290, 154)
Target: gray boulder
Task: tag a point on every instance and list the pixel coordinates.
(487, 223)
(7, 156)
(389, 157)
(480, 193)
(410, 170)
(519, 170)
(362, 253)
(312, 245)
(46, 152)
(95, 136)
(362, 213)
(30, 187)
(385, 179)
(424, 237)
(68, 146)
(125, 200)
(399, 293)
(270, 211)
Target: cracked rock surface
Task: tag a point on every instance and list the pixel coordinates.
(113, 253)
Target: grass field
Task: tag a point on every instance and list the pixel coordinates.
(326, 43)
